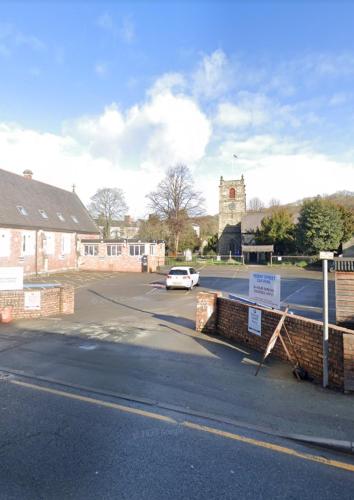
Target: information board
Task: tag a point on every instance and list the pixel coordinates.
(11, 278)
(255, 321)
(32, 301)
(265, 289)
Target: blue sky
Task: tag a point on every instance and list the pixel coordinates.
(111, 94)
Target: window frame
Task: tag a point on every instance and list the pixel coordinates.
(93, 246)
(118, 249)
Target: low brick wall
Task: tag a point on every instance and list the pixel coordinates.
(53, 301)
(229, 318)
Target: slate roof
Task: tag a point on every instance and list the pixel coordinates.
(17, 191)
(251, 221)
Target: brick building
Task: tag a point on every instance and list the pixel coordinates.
(121, 255)
(40, 225)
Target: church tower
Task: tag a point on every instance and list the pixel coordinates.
(232, 206)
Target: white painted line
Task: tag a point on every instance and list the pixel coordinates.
(294, 293)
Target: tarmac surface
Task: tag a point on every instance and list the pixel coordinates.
(131, 343)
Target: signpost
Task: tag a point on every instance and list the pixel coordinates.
(265, 289)
(11, 278)
(325, 257)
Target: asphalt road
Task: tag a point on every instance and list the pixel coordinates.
(132, 344)
(68, 444)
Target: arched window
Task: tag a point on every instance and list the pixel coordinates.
(232, 193)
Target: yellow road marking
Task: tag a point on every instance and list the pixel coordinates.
(191, 425)
(97, 402)
(270, 446)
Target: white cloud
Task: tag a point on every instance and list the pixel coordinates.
(127, 30)
(167, 129)
(212, 76)
(12, 38)
(101, 69)
(168, 82)
(105, 21)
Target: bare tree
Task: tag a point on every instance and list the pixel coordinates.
(175, 200)
(274, 203)
(255, 205)
(106, 205)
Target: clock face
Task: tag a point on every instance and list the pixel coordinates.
(232, 206)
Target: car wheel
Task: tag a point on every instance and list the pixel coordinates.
(168, 287)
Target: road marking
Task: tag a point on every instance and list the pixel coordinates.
(294, 293)
(98, 402)
(190, 425)
(270, 446)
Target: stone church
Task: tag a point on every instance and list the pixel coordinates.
(232, 208)
(237, 227)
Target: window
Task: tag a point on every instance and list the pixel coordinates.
(91, 250)
(5, 236)
(178, 272)
(74, 219)
(22, 210)
(232, 193)
(43, 213)
(27, 243)
(60, 216)
(65, 244)
(152, 249)
(113, 250)
(136, 249)
(49, 243)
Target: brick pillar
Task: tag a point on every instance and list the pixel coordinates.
(345, 299)
(206, 312)
(67, 299)
(348, 355)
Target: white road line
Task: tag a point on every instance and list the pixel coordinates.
(294, 293)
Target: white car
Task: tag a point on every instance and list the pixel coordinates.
(182, 277)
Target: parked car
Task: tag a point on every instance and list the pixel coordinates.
(182, 277)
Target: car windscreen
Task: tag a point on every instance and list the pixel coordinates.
(178, 272)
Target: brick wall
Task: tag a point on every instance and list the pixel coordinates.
(54, 300)
(232, 322)
(40, 261)
(120, 263)
(345, 299)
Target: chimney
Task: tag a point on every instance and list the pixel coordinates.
(127, 219)
(28, 174)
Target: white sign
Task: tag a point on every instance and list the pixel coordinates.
(326, 255)
(255, 321)
(32, 301)
(265, 289)
(11, 278)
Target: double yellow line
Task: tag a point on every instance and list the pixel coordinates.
(190, 425)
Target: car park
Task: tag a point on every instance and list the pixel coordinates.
(182, 277)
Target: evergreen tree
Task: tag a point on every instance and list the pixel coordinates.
(320, 227)
(278, 229)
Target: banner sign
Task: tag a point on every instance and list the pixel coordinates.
(255, 321)
(265, 289)
(11, 278)
(32, 301)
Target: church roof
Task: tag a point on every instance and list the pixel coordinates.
(251, 221)
(30, 204)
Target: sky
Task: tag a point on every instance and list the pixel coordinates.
(113, 94)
